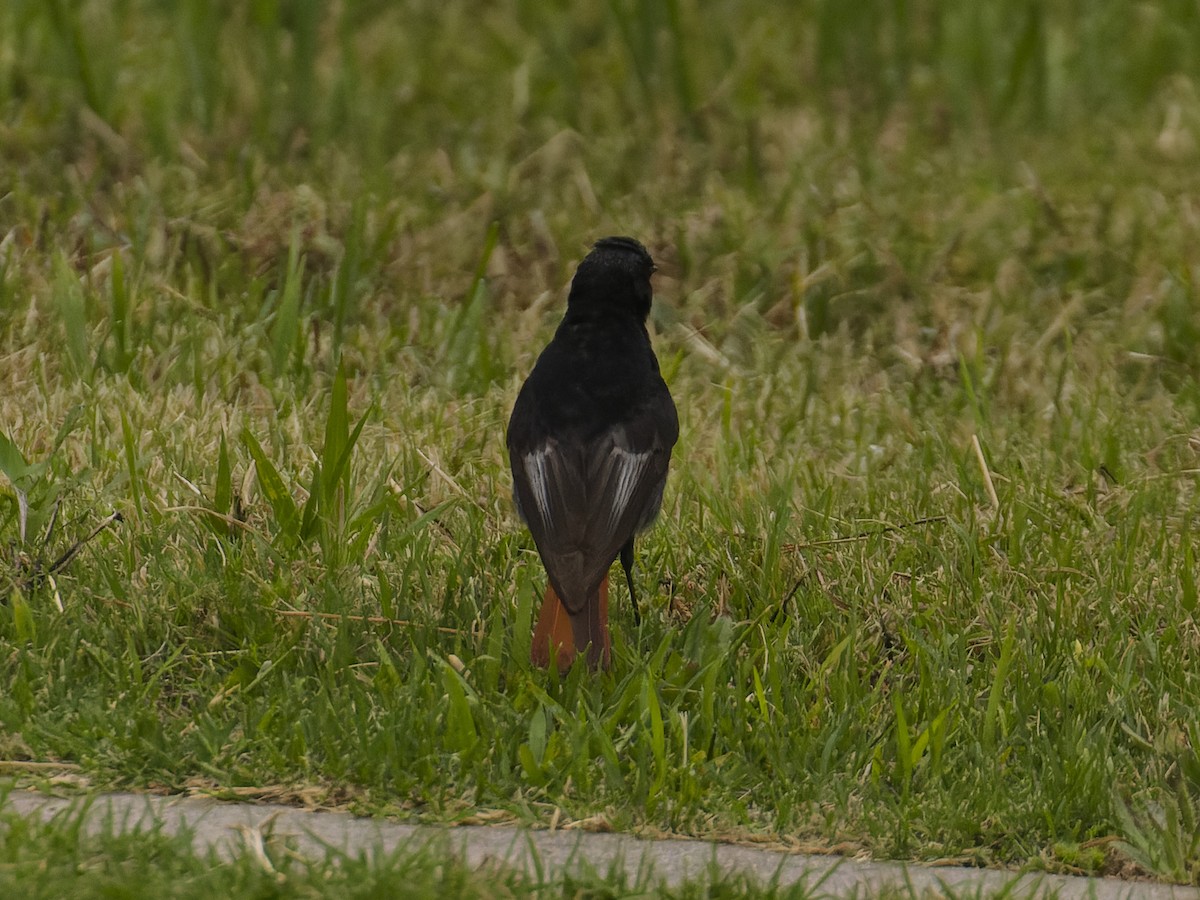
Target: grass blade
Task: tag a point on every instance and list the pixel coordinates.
(222, 505)
(658, 741)
(991, 717)
(119, 296)
(285, 335)
(68, 296)
(13, 463)
(223, 492)
(337, 436)
(461, 734)
(1187, 574)
(904, 748)
(283, 505)
(130, 443)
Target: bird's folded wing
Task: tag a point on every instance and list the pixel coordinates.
(582, 503)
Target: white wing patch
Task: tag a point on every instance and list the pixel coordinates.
(626, 471)
(537, 465)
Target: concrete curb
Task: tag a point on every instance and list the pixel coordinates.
(233, 828)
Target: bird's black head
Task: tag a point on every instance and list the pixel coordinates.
(614, 276)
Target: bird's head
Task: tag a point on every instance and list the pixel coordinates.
(615, 275)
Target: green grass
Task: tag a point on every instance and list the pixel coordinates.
(270, 277)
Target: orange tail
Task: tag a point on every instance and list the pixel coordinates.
(560, 635)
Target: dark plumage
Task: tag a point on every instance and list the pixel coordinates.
(589, 442)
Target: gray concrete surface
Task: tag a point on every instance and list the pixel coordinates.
(234, 828)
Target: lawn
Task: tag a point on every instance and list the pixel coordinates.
(924, 586)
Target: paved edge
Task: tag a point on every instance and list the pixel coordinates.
(233, 828)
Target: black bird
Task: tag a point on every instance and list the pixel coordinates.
(589, 442)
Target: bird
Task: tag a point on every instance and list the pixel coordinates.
(589, 443)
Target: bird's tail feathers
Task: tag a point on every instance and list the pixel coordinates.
(561, 636)
(590, 626)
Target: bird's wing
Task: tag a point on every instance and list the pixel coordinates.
(583, 500)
